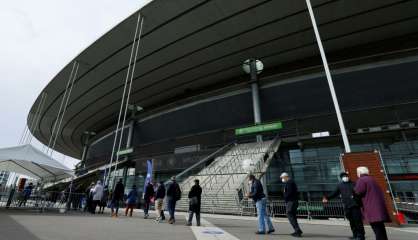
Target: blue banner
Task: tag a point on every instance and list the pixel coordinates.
(148, 178)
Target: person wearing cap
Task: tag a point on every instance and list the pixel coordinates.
(195, 197)
(352, 210)
(373, 202)
(291, 198)
(259, 198)
(173, 195)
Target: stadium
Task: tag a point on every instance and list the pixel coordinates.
(190, 94)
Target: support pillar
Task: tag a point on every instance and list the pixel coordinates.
(329, 79)
(255, 95)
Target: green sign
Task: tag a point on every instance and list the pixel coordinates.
(125, 151)
(259, 128)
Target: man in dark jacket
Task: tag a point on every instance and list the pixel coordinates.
(259, 198)
(195, 198)
(148, 195)
(352, 210)
(291, 197)
(117, 196)
(173, 195)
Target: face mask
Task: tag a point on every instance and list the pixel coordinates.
(284, 180)
(345, 179)
(250, 182)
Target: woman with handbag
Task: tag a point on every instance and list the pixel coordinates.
(195, 195)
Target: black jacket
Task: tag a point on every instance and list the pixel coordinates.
(348, 196)
(257, 191)
(149, 192)
(173, 191)
(160, 192)
(195, 191)
(290, 191)
(119, 191)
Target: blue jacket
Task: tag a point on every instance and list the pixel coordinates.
(132, 196)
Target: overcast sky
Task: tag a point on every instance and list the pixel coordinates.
(37, 39)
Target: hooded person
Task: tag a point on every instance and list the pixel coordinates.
(97, 195)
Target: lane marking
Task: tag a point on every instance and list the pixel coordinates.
(208, 231)
(404, 230)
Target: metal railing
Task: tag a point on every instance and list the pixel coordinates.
(236, 174)
(262, 166)
(186, 176)
(42, 201)
(406, 204)
(309, 210)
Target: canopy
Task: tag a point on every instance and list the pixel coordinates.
(29, 161)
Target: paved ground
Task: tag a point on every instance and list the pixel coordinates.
(18, 225)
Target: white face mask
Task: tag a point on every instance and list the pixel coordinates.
(345, 179)
(284, 180)
(250, 182)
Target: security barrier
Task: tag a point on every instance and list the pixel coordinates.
(42, 201)
(310, 210)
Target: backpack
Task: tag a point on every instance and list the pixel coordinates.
(177, 192)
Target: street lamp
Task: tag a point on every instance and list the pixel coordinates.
(87, 135)
(254, 67)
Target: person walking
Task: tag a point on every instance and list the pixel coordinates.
(159, 202)
(89, 198)
(350, 200)
(195, 198)
(257, 195)
(373, 199)
(148, 196)
(131, 201)
(27, 191)
(97, 195)
(117, 197)
(173, 195)
(103, 201)
(291, 198)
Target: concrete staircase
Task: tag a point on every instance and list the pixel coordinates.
(227, 173)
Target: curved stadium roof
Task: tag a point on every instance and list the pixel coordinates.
(192, 47)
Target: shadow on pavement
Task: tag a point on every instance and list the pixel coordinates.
(12, 230)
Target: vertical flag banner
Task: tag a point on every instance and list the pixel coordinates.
(149, 173)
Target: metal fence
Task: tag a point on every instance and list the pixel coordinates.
(407, 204)
(42, 200)
(310, 210)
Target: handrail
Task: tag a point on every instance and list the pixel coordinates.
(260, 170)
(227, 181)
(204, 160)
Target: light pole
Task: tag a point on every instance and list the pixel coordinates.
(254, 67)
(329, 79)
(87, 135)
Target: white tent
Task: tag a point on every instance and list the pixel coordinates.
(29, 161)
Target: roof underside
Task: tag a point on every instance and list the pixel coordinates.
(189, 46)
